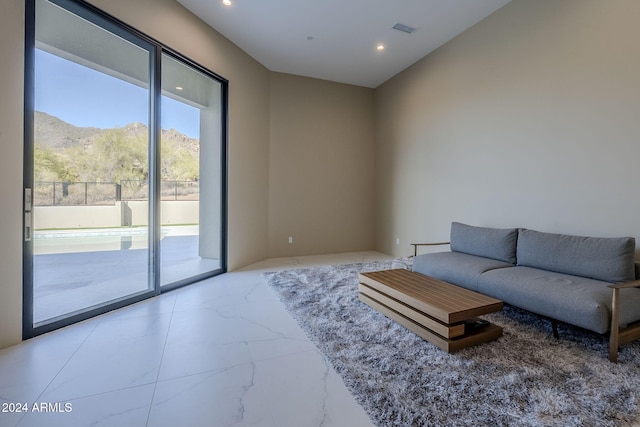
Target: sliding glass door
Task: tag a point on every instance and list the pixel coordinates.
(124, 167)
(191, 150)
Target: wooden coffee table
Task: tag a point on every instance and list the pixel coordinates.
(437, 311)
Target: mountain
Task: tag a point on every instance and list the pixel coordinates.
(53, 132)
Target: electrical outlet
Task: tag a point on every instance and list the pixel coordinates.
(397, 240)
(290, 239)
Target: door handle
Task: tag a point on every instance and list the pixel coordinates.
(28, 218)
(27, 227)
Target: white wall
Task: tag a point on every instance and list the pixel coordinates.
(530, 119)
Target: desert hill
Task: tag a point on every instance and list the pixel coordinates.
(55, 133)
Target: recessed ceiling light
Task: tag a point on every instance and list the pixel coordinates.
(226, 2)
(380, 47)
(179, 88)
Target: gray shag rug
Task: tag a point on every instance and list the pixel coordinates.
(525, 378)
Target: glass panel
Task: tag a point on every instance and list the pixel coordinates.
(91, 166)
(190, 172)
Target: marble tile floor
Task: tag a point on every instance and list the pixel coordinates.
(221, 352)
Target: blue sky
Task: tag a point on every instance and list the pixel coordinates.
(84, 97)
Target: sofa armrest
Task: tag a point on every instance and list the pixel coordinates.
(415, 246)
(618, 337)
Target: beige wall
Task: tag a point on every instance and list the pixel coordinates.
(11, 119)
(128, 213)
(530, 118)
(321, 167)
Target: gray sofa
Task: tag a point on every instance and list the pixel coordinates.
(584, 281)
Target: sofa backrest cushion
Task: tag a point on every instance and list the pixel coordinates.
(494, 243)
(610, 259)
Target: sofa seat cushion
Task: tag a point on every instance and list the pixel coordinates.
(495, 243)
(575, 300)
(456, 267)
(600, 258)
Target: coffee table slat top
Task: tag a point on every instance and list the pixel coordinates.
(441, 300)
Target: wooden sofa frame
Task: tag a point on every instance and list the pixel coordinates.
(619, 336)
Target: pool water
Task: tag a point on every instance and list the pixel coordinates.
(73, 241)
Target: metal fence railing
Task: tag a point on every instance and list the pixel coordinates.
(107, 193)
(74, 193)
(169, 190)
(180, 190)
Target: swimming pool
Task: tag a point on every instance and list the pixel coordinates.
(72, 241)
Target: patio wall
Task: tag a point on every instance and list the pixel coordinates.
(129, 213)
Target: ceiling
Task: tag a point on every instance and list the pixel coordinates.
(336, 39)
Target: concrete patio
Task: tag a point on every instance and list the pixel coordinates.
(86, 268)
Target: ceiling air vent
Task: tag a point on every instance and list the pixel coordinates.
(404, 28)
